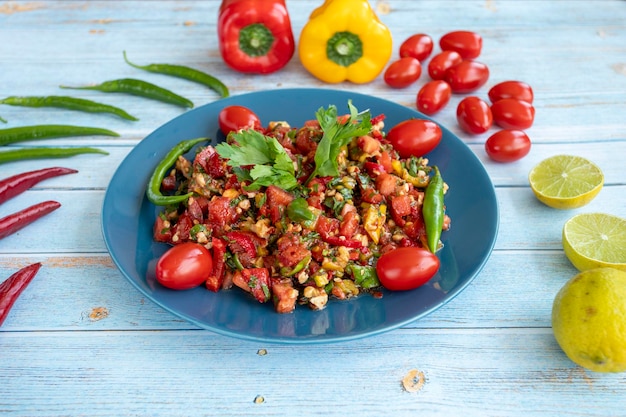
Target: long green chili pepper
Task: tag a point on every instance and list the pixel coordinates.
(187, 73)
(24, 133)
(70, 103)
(433, 210)
(153, 191)
(40, 153)
(138, 88)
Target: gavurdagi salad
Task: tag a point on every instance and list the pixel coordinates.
(302, 215)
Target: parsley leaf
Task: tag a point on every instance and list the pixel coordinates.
(337, 134)
(270, 162)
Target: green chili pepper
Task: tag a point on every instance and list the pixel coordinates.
(70, 103)
(187, 73)
(24, 133)
(153, 191)
(40, 153)
(138, 88)
(364, 276)
(3, 120)
(298, 210)
(433, 210)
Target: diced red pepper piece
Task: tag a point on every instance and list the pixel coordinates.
(211, 163)
(242, 244)
(216, 279)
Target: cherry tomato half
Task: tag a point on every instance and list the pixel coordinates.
(511, 89)
(403, 72)
(414, 137)
(441, 62)
(467, 76)
(235, 118)
(184, 266)
(507, 145)
(467, 44)
(433, 96)
(406, 268)
(510, 113)
(474, 115)
(418, 46)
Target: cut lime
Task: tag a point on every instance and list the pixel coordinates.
(565, 181)
(593, 240)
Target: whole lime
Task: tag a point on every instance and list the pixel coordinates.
(589, 319)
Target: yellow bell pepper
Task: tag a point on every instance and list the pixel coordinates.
(345, 41)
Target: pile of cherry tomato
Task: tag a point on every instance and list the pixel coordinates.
(455, 70)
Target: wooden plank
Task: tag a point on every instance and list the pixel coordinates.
(183, 373)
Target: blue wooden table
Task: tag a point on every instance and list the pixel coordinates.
(82, 341)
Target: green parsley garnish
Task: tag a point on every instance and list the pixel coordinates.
(269, 160)
(337, 135)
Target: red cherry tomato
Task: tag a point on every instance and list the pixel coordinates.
(474, 115)
(467, 76)
(441, 62)
(433, 96)
(406, 268)
(467, 44)
(414, 137)
(235, 118)
(510, 113)
(418, 46)
(184, 266)
(507, 145)
(511, 89)
(403, 72)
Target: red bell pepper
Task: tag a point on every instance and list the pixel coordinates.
(255, 36)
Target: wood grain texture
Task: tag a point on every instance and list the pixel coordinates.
(82, 341)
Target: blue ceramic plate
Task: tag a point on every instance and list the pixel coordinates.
(127, 219)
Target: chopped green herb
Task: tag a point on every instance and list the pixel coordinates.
(269, 160)
(337, 134)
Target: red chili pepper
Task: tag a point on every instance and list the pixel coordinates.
(16, 221)
(215, 280)
(13, 286)
(17, 184)
(255, 36)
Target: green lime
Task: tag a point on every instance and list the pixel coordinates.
(594, 240)
(565, 181)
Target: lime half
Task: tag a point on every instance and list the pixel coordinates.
(593, 240)
(565, 181)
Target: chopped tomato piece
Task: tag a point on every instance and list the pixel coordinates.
(386, 184)
(221, 213)
(161, 233)
(291, 250)
(284, 295)
(257, 281)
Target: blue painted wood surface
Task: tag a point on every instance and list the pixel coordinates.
(82, 341)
